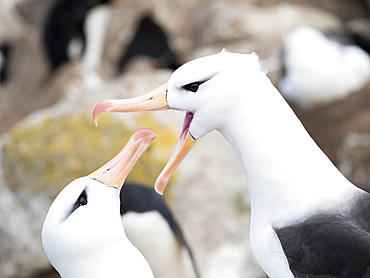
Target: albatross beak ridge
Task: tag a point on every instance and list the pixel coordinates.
(154, 100)
(115, 171)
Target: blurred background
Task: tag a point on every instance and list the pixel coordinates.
(59, 58)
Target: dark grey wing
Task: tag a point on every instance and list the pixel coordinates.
(327, 246)
(139, 198)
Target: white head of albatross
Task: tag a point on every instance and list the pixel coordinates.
(295, 189)
(83, 235)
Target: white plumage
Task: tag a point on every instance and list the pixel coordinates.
(150, 233)
(319, 70)
(83, 235)
(307, 218)
(90, 242)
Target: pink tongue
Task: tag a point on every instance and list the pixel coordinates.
(187, 122)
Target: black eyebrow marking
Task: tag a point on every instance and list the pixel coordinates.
(77, 204)
(200, 82)
(189, 87)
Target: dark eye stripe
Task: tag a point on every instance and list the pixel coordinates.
(193, 87)
(81, 201)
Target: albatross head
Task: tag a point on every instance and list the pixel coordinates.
(207, 89)
(83, 232)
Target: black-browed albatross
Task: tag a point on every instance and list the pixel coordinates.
(308, 220)
(319, 69)
(83, 235)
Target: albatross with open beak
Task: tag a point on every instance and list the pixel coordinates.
(308, 220)
(83, 235)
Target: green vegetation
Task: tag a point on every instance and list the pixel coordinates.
(48, 155)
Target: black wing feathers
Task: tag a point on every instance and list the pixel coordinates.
(141, 199)
(330, 245)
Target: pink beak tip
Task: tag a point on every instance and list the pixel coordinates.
(144, 132)
(160, 185)
(158, 190)
(100, 108)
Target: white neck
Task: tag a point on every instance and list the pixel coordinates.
(284, 167)
(113, 256)
(288, 175)
(120, 260)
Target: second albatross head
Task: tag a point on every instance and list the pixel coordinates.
(83, 235)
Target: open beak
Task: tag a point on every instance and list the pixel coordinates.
(115, 171)
(186, 142)
(153, 101)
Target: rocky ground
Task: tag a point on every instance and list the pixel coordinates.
(48, 135)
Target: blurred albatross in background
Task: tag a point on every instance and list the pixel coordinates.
(322, 68)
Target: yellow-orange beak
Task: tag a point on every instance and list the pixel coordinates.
(183, 147)
(115, 171)
(154, 100)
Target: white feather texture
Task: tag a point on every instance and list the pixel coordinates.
(320, 70)
(290, 179)
(90, 241)
(152, 235)
(288, 175)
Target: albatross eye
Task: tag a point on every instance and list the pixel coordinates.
(193, 87)
(82, 200)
